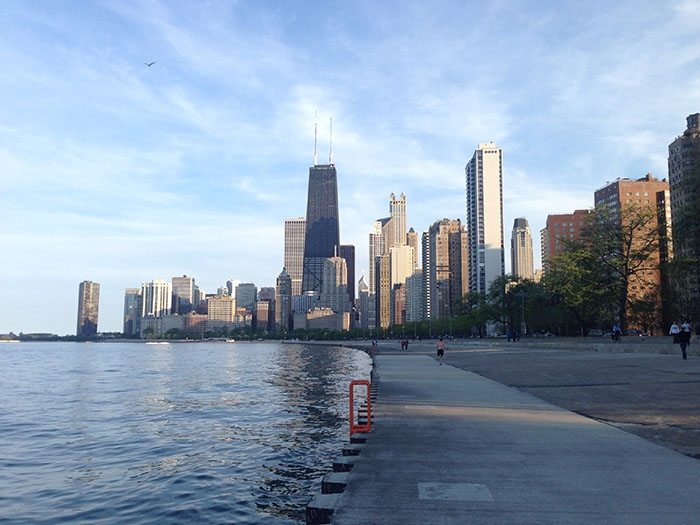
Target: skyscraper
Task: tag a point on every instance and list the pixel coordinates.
(334, 294)
(266, 293)
(381, 230)
(397, 210)
(484, 174)
(347, 252)
(283, 302)
(684, 180)
(412, 241)
(156, 298)
(522, 264)
(389, 235)
(322, 227)
(246, 296)
(401, 260)
(426, 281)
(415, 303)
(363, 303)
(183, 294)
(446, 266)
(294, 234)
(382, 286)
(132, 311)
(88, 308)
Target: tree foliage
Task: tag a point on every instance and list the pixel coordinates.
(612, 266)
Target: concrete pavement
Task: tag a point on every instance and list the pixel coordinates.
(450, 446)
(651, 394)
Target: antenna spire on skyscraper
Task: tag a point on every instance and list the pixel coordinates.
(315, 136)
(330, 147)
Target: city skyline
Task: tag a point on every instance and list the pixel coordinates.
(122, 173)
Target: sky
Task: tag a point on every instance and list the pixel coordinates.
(120, 173)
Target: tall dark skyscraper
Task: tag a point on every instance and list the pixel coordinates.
(322, 230)
(347, 252)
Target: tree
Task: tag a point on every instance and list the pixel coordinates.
(474, 311)
(614, 260)
(573, 282)
(504, 301)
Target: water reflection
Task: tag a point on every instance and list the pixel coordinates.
(313, 382)
(204, 432)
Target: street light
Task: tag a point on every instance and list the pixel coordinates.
(523, 325)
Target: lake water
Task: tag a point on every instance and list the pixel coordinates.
(138, 433)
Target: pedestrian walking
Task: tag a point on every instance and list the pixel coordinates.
(616, 332)
(684, 339)
(674, 331)
(440, 346)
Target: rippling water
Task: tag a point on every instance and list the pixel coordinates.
(136, 433)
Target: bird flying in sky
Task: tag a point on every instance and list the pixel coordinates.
(149, 64)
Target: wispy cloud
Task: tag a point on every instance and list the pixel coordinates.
(111, 170)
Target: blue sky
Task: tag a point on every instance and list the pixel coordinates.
(119, 173)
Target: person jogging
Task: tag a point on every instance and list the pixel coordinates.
(440, 346)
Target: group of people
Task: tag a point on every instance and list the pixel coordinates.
(681, 336)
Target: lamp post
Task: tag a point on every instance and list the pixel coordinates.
(523, 324)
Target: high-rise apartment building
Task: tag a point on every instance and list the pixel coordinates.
(132, 311)
(397, 211)
(183, 294)
(447, 266)
(264, 315)
(283, 302)
(294, 235)
(382, 229)
(426, 280)
(382, 286)
(401, 258)
(626, 194)
(559, 230)
(363, 303)
(484, 174)
(664, 220)
(246, 296)
(347, 252)
(156, 298)
(389, 239)
(415, 304)
(398, 304)
(522, 264)
(412, 241)
(266, 293)
(221, 311)
(322, 226)
(334, 294)
(88, 308)
(684, 181)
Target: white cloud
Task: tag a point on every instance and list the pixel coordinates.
(111, 170)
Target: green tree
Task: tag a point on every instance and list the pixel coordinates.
(474, 311)
(594, 275)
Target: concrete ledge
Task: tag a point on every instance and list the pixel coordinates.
(344, 464)
(320, 510)
(358, 438)
(352, 449)
(334, 482)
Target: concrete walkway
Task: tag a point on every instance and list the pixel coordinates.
(449, 446)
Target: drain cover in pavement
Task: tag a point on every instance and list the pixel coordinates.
(454, 491)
